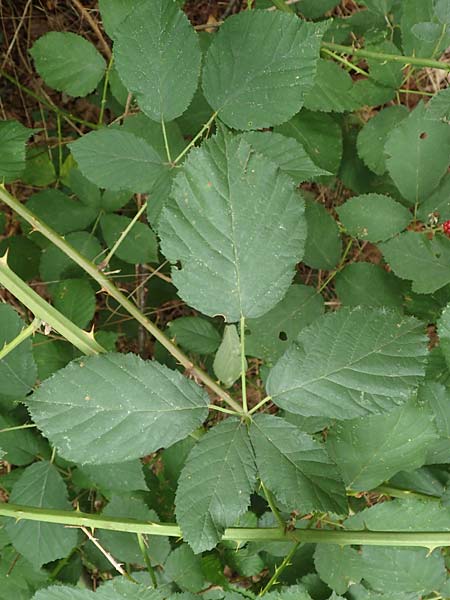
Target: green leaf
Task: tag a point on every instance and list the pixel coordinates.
(117, 477)
(367, 284)
(437, 205)
(370, 450)
(68, 63)
(21, 445)
(185, 569)
(400, 570)
(227, 362)
(113, 408)
(319, 134)
(222, 241)
(414, 12)
(412, 255)
(13, 137)
(438, 108)
(43, 487)
(418, 152)
(287, 153)
(60, 212)
(295, 467)
(140, 244)
(442, 11)
(124, 546)
(195, 334)
(355, 375)
(259, 67)
(338, 566)
(444, 333)
(387, 73)
(372, 137)
(269, 336)
(323, 247)
(39, 169)
(117, 160)
(56, 265)
(114, 13)
(20, 582)
(76, 300)
(17, 368)
(373, 217)
(117, 589)
(381, 7)
(152, 133)
(160, 61)
(332, 90)
(215, 484)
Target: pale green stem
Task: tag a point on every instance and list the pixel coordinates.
(23, 335)
(399, 493)
(123, 235)
(342, 537)
(281, 5)
(260, 403)
(273, 507)
(339, 268)
(278, 570)
(146, 558)
(224, 410)
(42, 310)
(206, 127)
(60, 148)
(243, 367)
(345, 62)
(27, 426)
(109, 287)
(105, 90)
(166, 140)
(383, 56)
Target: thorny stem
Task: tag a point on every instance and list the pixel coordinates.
(110, 288)
(23, 335)
(146, 558)
(342, 537)
(206, 127)
(278, 570)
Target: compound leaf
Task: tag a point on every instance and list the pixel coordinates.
(43, 487)
(374, 363)
(158, 58)
(295, 467)
(259, 67)
(67, 62)
(219, 225)
(113, 407)
(215, 484)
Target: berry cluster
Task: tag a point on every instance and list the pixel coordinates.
(446, 228)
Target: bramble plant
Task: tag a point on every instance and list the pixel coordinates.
(233, 378)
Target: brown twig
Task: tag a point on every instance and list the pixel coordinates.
(95, 28)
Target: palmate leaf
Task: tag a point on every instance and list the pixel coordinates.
(17, 369)
(215, 484)
(43, 487)
(259, 67)
(370, 450)
(351, 363)
(295, 467)
(114, 407)
(219, 224)
(158, 57)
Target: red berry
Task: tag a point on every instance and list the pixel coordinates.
(446, 228)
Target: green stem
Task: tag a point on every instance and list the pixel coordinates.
(224, 410)
(273, 507)
(27, 426)
(166, 140)
(260, 403)
(281, 5)
(332, 275)
(243, 367)
(399, 493)
(42, 310)
(123, 235)
(112, 290)
(206, 127)
(383, 56)
(422, 539)
(23, 335)
(345, 62)
(66, 115)
(147, 561)
(278, 570)
(105, 91)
